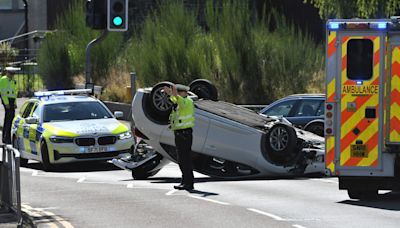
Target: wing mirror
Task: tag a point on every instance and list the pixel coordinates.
(118, 114)
(32, 120)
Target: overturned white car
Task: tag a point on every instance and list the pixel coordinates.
(229, 141)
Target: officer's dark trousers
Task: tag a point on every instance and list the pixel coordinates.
(183, 142)
(8, 118)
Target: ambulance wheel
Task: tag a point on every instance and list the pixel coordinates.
(22, 161)
(47, 166)
(204, 89)
(159, 104)
(362, 194)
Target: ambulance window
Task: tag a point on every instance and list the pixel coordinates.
(360, 59)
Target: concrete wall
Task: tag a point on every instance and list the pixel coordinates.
(37, 15)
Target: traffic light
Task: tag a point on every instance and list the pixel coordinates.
(117, 15)
(96, 14)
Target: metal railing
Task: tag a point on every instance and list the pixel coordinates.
(10, 194)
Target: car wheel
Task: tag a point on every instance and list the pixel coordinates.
(47, 166)
(362, 194)
(140, 174)
(281, 140)
(22, 161)
(160, 105)
(204, 89)
(316, 128)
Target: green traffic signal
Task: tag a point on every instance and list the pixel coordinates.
(117, 21)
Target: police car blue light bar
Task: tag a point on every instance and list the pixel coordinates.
(62, 92)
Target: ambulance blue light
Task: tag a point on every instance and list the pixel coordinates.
(359, 82)
(333, 25)
(382, 25)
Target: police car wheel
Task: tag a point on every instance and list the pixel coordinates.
(204, 89)
(45, 157)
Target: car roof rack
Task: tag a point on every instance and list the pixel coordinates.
(62, 92)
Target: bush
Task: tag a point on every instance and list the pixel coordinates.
(7, 54)
(249, 62)
(54, 62)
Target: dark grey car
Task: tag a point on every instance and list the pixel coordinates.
(304, 111)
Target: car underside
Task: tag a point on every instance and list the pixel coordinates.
(229, 141)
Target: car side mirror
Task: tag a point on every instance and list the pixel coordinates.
(118, 114)
(32, 120)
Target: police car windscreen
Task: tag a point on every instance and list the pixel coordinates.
(74, 111)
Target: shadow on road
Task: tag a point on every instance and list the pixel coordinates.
(77, 167)
(388, 201)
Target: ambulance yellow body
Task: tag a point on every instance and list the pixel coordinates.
(362, 110)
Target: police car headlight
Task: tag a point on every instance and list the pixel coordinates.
(125, 135)
(58, 139)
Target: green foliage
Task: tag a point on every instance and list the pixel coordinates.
(71, 37)
(7, 54)
(356, 8)
(248, 62)
(54, 61)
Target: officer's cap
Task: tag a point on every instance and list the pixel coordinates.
(12, 69)
(182, 88)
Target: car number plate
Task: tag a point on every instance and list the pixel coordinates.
(359, 151)
(96, 149)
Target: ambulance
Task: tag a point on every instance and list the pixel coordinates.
(362, 110)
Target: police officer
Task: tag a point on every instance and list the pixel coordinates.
(8, 91)
(182, 122)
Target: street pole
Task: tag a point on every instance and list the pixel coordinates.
(88, 68)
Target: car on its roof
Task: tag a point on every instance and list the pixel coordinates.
(60, 127)
(305, 111)
(229, 141)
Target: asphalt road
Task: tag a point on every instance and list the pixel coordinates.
(99, 195)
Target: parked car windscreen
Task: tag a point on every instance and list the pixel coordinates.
(74, 111)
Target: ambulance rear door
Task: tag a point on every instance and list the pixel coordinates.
(360, 112)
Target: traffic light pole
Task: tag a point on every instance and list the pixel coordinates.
(88, 68)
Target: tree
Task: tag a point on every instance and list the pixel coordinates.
(7, 53)
(356, 8)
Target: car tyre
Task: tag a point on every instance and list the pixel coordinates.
(159, 104)
(362, 194)
(22, 161)
(47, 166)
(316, 128)
(204, 89)
(281, 140)
(140, 174)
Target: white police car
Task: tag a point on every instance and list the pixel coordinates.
(60, 127)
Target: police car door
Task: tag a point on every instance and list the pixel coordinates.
(361, 74)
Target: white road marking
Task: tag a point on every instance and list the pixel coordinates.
(209, 200)
(130, 185)
(80, 180)
(298, 226)
(277, 218)
(35, 173)
(171, 192)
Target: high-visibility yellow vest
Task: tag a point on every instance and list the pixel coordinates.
(8, 89)
(183, 116)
